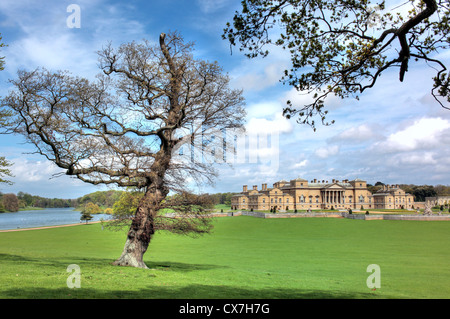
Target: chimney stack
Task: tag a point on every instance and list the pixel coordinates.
(245, 188)
(255, 187)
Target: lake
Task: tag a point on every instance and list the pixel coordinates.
(45, 217)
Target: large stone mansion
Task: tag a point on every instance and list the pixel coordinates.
(303, 195)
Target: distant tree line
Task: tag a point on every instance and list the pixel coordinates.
(13, 203)
(420, 192)
(103, 199)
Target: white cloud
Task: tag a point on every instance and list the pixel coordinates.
(325, 152)
(278, 125)
(357, 134)
(266, 109)
(422, 134)
(422, 158)
(258, 78)
(60, 52)
(208, 6)
(300, 164)
(259, 74)
(32, 171)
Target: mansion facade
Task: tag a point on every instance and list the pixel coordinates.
(303, 195)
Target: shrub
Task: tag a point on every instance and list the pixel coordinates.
(367, 212)
(10, 202)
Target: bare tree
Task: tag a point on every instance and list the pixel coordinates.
(127, 127)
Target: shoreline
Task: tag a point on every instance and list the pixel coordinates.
(46, 227)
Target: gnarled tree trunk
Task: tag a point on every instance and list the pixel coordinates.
(143, 224)
(141, 230)
(138, 239)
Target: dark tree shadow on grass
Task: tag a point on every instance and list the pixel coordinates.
(63, 262)
(191, 292)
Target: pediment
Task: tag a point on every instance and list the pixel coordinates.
(334, 187)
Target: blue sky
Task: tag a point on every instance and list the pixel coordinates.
(396, 132)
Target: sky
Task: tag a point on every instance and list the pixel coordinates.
(395, 133)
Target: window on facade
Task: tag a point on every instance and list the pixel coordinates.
(279, 200)
(243, 200)
(271, 200)
(287, 200)
(302, 199)
(264, 200)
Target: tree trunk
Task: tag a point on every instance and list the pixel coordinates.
(141, 230)
(137, 241)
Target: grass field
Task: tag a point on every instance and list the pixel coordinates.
(244, 257)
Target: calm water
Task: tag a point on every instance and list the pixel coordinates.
(45, 217)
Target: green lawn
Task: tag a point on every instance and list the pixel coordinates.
(244, 257)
